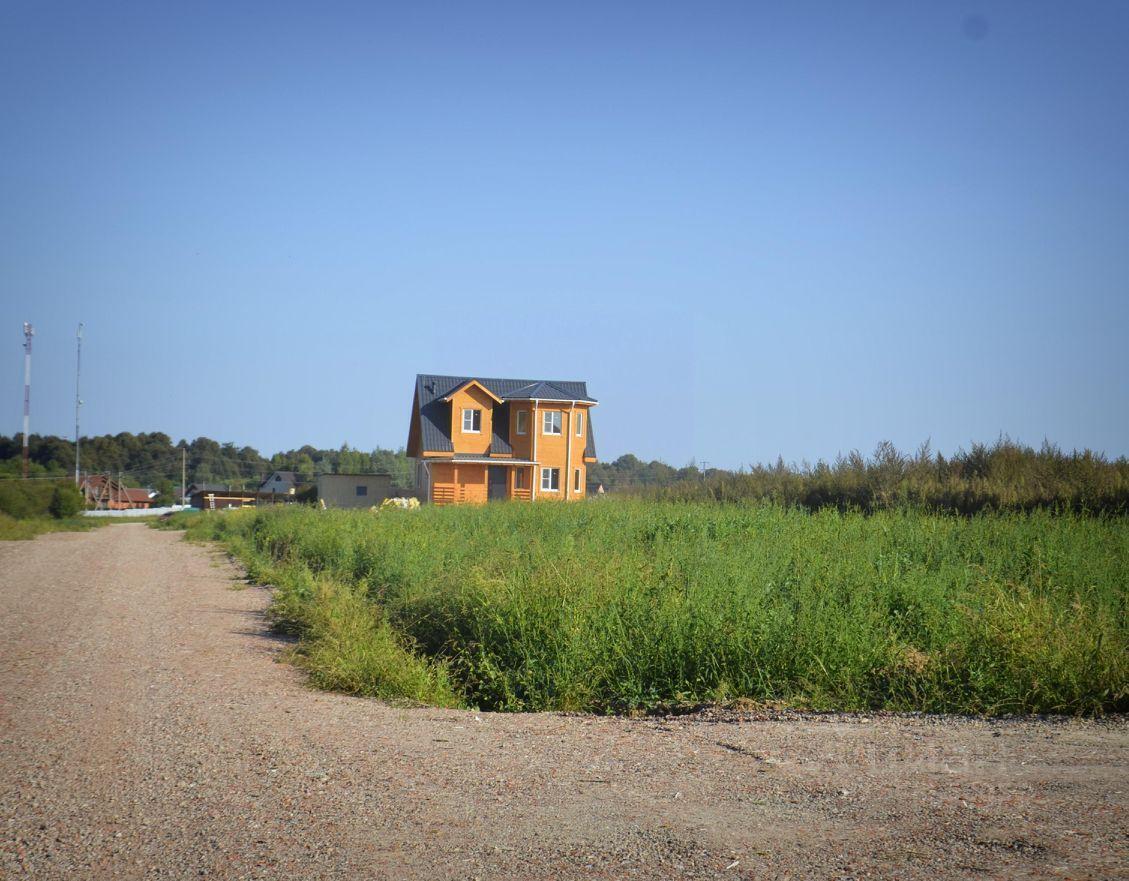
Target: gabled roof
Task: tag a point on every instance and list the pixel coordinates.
(290, 477)
(435, 415)
(546, 391)
(468, 384)
(110, 487)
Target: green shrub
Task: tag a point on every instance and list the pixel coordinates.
(66, 500)
(26, 498)
(22, 499)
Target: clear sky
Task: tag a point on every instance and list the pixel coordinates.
(753, 228)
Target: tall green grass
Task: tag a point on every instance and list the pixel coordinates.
(25, 528)
(623, 604)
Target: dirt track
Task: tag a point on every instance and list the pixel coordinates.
(147, 730)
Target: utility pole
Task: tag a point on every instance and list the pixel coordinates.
(29, 332)
(77, 399)
(183, 467)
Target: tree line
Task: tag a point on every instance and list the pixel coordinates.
(152, 459)
(1002, 476)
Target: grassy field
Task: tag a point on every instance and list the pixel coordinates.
(21, 529)
(624, 605)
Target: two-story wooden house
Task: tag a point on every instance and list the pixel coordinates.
(475, 439)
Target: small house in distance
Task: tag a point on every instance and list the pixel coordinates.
(354, 490)
(476, 439)
(103, 492)
(283, 483)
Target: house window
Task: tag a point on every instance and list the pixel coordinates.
(362, 490)
(550, 480)
(576, 482)
(551, 422)
(580, 425)
(519, 478)
(522, 421)
(472, 421)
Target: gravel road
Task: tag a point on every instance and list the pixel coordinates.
(148, 730)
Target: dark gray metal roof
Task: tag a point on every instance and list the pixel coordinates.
(546, 391)
(500, 425)
(435, 414)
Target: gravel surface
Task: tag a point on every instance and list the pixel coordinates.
(148, 730)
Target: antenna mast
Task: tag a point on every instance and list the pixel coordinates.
(29, 332)
(77, 398)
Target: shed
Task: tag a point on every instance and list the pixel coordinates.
(354, 490)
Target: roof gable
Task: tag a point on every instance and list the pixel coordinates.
(287, 478)
(434, 420)
(469, 384)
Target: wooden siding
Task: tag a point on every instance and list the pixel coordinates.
(522, 444)
(414, 428)
(578, 461)
(472, 398)
(553, 451)
(452, 483)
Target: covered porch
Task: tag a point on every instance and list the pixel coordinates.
(461, 480)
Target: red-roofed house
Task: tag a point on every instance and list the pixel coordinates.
(104, 493)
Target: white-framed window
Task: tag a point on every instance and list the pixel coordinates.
(576, 482)
(472, 421)
(550, 480)
(522, 422)
(551, 422)
(580, 424)
(519, 478)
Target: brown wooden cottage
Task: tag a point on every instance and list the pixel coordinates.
(476, 439)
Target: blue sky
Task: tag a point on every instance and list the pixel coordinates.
(754, 228)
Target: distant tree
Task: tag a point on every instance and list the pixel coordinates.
(304, 465)
(66, 500)
(167, 494)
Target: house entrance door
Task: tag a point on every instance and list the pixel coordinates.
(496, 487)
